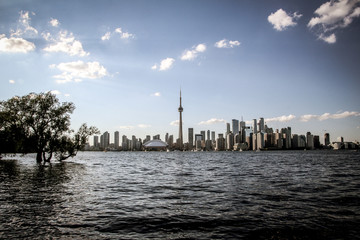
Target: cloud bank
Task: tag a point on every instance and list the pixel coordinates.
(193, 53)
(227, 44)
(15, 45)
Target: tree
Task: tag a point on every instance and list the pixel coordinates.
(40, 123)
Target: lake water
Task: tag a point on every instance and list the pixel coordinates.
(183, 195)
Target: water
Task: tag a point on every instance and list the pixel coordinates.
(183, 195)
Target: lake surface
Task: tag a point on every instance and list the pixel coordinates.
(183, 195)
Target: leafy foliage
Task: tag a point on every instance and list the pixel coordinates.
(40, 123)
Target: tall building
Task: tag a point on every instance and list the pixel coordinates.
(203, 135)
(326, 139)
(106, 139)
(116, 139)
(235, 126)
(180, 125)
(213, 136)
(208, 135)
(261, 125)
(96, 141)
(254, 139)
(227, 128)
(191, 138)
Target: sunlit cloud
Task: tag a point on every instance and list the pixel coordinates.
(282, 20)
(166, 64)
(226, 43)
(157, 94)
(143, 126)
(64, 42)
(119, 32)
(332, 15)
(54, 22)
(12, 81)
(326, 116)
(15, 45)
(56, 92)
(193, 53)
(175, 123)
(24, 26)
(77, 71)
(281, 118)
(212, 121)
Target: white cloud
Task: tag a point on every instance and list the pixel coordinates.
(157, 94)
(65, 42)
(212, 121)
(77, 71)
(12, 81)
(329, 39)
(154, 67)
(56, 92)
(326, 116)
(335, 14)
(118, 31)
(281, 20)
(106, 36)
(67, 95)
(166, 64)
(24, 27)
(226, 44)
(15, 45)
(175, 123)
(54, 22)
(281, 118)
(332, 15)
(126, 127)
(143, 126)
(193, 53)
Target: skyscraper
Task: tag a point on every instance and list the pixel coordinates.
(326, 139)
(180, 125)
(235, 126)
(117, 140)
(191, 138)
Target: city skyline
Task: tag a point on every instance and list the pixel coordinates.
(121, 63)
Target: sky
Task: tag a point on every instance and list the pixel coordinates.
(122, 63)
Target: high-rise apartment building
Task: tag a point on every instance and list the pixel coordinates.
(116, 140)
(235, 126)
(191, 138)
(326, 139)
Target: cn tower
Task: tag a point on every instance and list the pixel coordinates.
(180, 125)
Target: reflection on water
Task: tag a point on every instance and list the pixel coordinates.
(269, 195)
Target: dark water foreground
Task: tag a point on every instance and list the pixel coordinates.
(266, 195)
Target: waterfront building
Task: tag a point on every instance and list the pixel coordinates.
(116, 140)
(148, 138)
(202, 133)
(208, 145)
(191, 138)
(166, 137)
(254, 140)
(326, 139)
(220, 143)
(208, 135)
(261, 125)
(213, 136)
(198, 146)
(309, 141)
(260, 143)
(106, 140)
(181, 109)
(295, 141)
(227, 128)
(316, 141)
(230, 141)
(171, 141)
(96, 141)
(235, 126)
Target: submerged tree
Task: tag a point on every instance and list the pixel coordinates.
(40, 123)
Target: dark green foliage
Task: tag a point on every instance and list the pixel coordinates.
(40, 123)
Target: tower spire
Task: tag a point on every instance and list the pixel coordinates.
(180, 124)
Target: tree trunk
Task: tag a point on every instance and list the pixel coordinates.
(38, 157)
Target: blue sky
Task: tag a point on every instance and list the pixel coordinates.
(122, 63)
